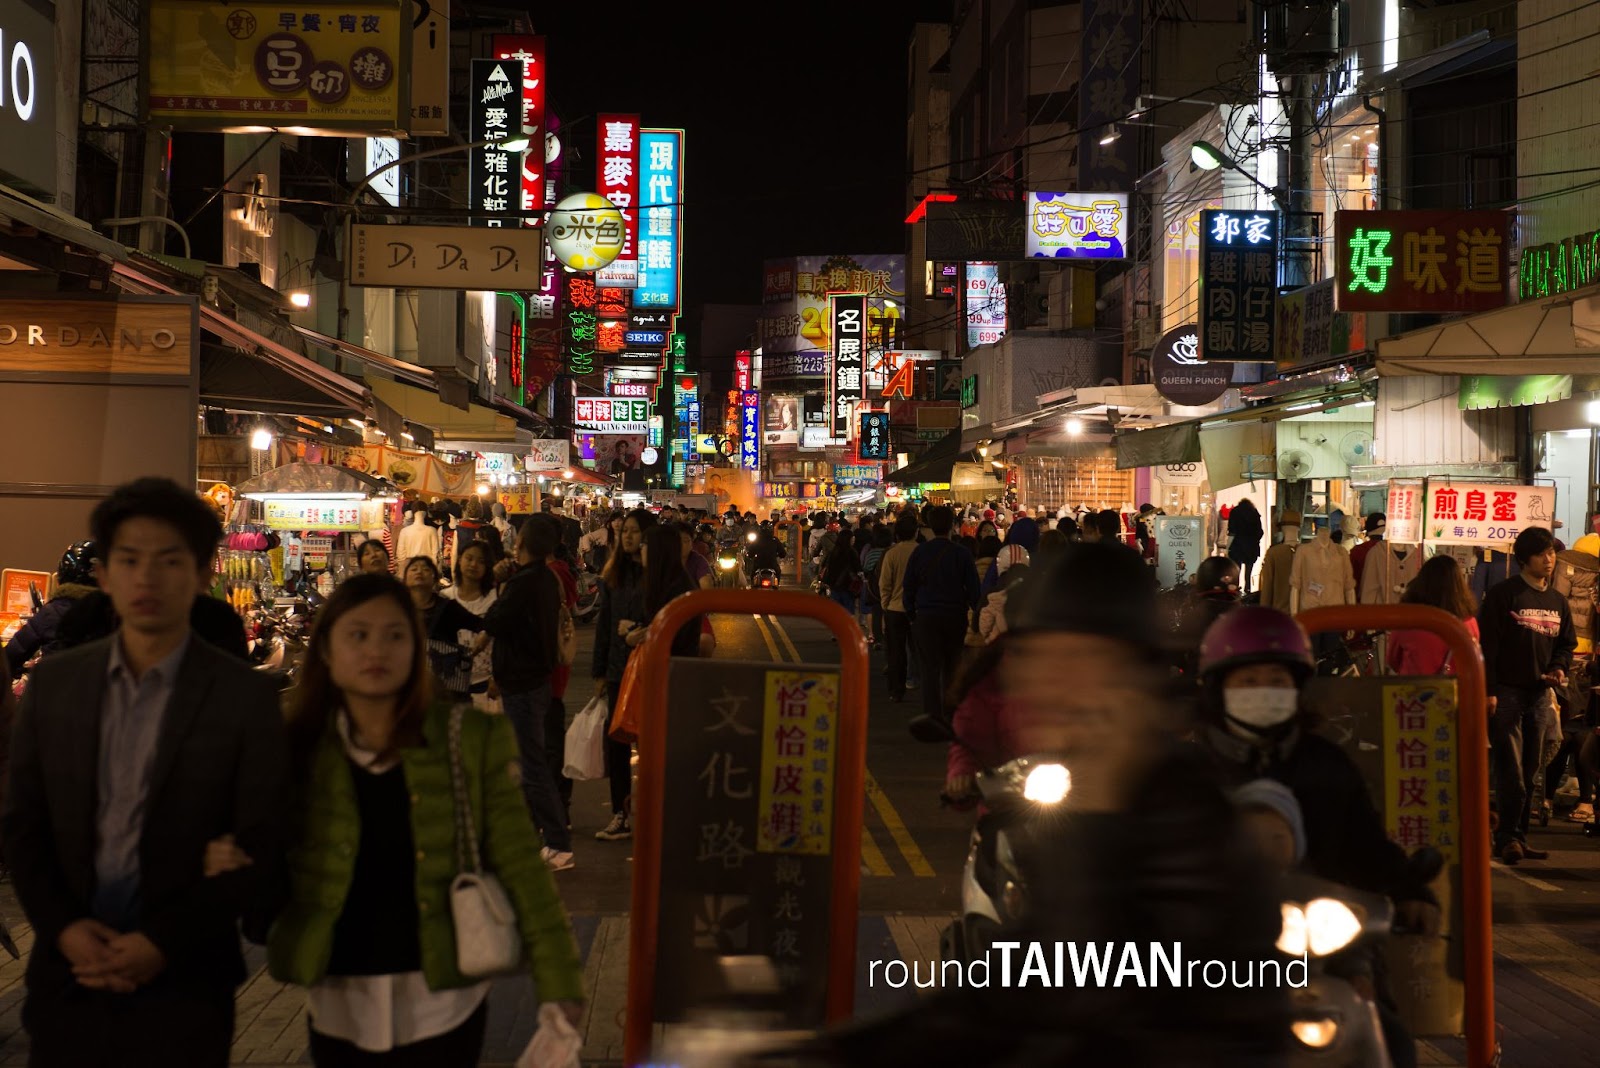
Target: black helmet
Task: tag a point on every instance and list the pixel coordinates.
(77, 564)
(1093, 588)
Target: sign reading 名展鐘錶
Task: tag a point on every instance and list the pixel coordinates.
(986, 304)
(849, 316)
(660, 234)
(548, 454)
(617, 179)
(444, 257)
(1421, 261)
(1403, 512)
(336, 68)
(1471, 513)
(611, 415)
(1087, 226)
(28, 96)
(1178, 372)
(528, 50)
(874, 441)
(494, 185)
(1238, 285)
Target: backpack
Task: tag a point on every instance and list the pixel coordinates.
(1576, 578)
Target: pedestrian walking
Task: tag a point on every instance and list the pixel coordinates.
(940, 595)
(841, 571)
(1244, 540)
(891, 590)
(130, 753)
(621, 608)
(525, 623)
(450, 629)
(387, 777)
(475, 591)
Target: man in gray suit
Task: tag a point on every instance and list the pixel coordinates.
(129, 754)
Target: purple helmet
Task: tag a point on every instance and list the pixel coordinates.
(1254, 634)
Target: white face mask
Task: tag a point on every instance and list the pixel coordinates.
(1261, 707)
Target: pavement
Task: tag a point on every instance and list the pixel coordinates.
(1547, 914)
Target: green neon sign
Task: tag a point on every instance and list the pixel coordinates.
(1369, 261)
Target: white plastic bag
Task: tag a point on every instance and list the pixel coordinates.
(556, 1044)
(584, 756)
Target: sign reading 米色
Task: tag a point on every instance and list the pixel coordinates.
(1238, 285)
(1421, 261)
(1559, 267)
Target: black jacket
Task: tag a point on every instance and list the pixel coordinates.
(624, 601)
(1171, 869)
(92, 617)
(1524, 633)
(43, 627)
(220, 767)
(1345, 839)
(524, 621)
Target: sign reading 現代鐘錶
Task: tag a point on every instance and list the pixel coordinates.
(1470, 513)
(444, 257)
(660, 229)
(1421, 261)
(1238, 286)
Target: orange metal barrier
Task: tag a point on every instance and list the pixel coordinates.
(648, 685)
(1472, 726)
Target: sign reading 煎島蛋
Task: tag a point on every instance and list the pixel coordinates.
(1468, 513)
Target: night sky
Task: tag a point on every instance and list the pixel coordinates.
(795, 119)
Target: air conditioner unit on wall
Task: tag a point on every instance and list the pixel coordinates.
(1301, 36)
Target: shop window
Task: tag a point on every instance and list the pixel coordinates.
(1345, 176)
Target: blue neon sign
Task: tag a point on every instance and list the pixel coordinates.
(660, 220)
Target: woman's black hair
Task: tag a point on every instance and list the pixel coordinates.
(988, 547)
(1440, 582)
(164, 500)
(485, 548)
(665, 577)
(363, 550)
(426, 561)
(619, 565)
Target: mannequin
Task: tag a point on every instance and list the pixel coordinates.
(1389, 568)
(417, 538)
(1321, 574)
(1278, 564)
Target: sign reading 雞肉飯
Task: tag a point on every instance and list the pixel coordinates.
(1421, 261)
(1238, 285)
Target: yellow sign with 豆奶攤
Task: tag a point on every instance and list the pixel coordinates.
(333, 68)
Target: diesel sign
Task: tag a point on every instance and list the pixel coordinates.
(28, 96)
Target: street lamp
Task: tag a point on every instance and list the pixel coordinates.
(508, 144)
(1208, 157)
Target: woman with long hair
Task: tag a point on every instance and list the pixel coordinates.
(475, 591)
(841, 571)
(449, 628)
(665, 579)
(622, 609)
(1440, 583)
(368, 927)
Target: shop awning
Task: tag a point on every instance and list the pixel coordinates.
(1478, 392)
(1177, 443)
(580, 475)
(312, 480)
(400, 369)
(1553, 336)
(477, 423)
(1236, 453)
(230, 378)
(73, 233)
(934, 465)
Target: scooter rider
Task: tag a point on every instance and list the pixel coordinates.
(74, 580)
(764, 553)
(1148, 849)
(1254, 662)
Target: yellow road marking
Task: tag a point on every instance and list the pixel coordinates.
(794, 654)
(897, 829)
(766, 636)
(872, 856)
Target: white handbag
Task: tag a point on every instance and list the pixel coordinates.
(487, 939)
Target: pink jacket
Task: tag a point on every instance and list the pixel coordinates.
(986, 723)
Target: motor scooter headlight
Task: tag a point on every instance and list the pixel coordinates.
(750, 537)
(1292, 940)
(727, 563)
(1318, 1033)
(1047, 784)
(1322, 927)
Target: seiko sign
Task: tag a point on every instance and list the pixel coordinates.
(28, 95)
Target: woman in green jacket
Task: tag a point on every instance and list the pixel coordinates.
(376, 815)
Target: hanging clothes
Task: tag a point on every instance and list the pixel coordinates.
(1387, 571)
(1321, 574)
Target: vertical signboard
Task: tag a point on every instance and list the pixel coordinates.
(430, 69)
(986, 304)
(660, 234)
(1110, 59)
(1403, 512)
(741, 370)
(750, 430)
(580, 323)
(491, 189)
(849, 319)
(617, 179)
(874, 441)
(1238, 285)
(529, 51)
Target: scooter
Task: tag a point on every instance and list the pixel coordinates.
(279, 644)
(764, 579)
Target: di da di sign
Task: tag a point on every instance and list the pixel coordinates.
(1238, 285)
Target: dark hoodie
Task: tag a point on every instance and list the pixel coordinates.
(41, 629)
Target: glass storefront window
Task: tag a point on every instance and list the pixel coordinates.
(1345, 175)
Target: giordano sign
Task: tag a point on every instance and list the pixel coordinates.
(145, 336)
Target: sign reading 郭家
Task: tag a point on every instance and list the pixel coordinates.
(849, 317)
(28, 96)
(529, 51)
(617, 179)
(1238, 285)
(1421, 261)
(660, 235)
(496, 103)
(1086, 226)
(1468, 513)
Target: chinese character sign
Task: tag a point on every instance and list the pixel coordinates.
(611, 415)
(660, 232)
(1078, 225)
(849, 315)
(1403, 513)
(529, 51)
(857, 474)
(1420, 768)
(1238, 285)
(495, 180)
(1471, 513)
(798, 730)
(311, 514)
(580, 328)
(1421, 261)
(617, 179)
(874, 441)
(750, 430)
(334, 68)
(986, 304)
(741, 370)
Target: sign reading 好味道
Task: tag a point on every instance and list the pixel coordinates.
(1421, 261)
